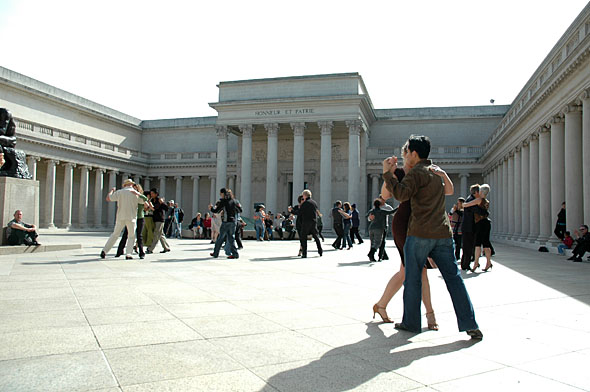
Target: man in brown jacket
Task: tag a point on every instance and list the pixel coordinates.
(429, 235)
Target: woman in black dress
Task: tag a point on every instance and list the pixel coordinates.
(400, 229)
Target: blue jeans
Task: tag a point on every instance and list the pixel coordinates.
(269, 232)
(561, 247)
(259, 232)
(346, 239)
(416, 250)
(226, 233)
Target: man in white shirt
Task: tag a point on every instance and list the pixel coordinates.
(127, 200)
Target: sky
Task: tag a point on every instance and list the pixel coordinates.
(154, 59)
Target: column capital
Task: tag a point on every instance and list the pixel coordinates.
(33, 158)
(298, 128)
(71, 165)
(354, 127)
(326, 127)
(100, 169)
(212, 177)
(178, 178)
(517, 149)
(461, 175)
(543, 129)
(374, 175)
(221, 131)
(556, 119)
(511, 154)
(112, 171)
(52, 161)
(525, 142)
(585, 95)
(272, 129)
(161, 178)
(196, 178)
(572, 108)
(246, 129)
(85, 167)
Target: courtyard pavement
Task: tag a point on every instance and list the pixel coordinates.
(270, 321)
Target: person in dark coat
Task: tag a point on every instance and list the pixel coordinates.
(308, 218)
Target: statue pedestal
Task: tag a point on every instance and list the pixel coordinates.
(18, 194)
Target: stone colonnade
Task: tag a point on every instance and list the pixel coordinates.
(98, 188)
(545, 169)
(299, 128)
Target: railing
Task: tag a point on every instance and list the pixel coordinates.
(469, 152)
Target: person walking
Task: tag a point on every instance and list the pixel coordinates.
(160, 209)
(560, 224)
(456, 223)
(230, 209)
(378, 225)
(337, 224)
(356, 222)
(308, 217)
(429, 234)
(346, 225)
(127, 200)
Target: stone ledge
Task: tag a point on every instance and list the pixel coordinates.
(20, 249)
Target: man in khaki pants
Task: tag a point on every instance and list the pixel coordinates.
(127, 200)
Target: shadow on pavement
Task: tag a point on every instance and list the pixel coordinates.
(335, 372)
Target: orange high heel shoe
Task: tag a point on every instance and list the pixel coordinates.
(376, 310)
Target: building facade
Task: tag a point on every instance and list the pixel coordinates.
(274, 137)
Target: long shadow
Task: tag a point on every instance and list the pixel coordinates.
(183, 260)
(62, 262)
(336, 372)
(279, 258)
(356, 264)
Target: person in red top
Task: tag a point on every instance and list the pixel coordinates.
(207, 225)
(568, 241)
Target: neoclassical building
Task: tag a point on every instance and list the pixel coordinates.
(274, 137)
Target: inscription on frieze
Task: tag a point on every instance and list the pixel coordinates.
(283, 112)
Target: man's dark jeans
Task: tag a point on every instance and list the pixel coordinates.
(339, 229)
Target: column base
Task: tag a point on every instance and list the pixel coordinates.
(542, 240)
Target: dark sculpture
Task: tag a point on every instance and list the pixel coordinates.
(14, 160)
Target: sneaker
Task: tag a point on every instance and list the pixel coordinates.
(102, 255)
(475, 334)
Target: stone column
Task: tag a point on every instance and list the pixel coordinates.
(137, 179)
(67, 203)
(178, 195)
(497, 211)
(517, 194)
(525, 176)
(162, 190)
(557, 167)
(586, 147)
(510, 195)
(231, 183)
(464, 189)
(493, 198)
(212, 193)
(326, 167)
(98, 191)
(545, 221)
(505, 197)
(221, 132)
(32, 164)
(124, 176)
(271, 167)
(246, 177)
(195, 194)
(298, 158)
(534, 187)
(111, 206)
(354, 166)
(83, 202)
(374, 186)
(574, 204)
(50, 193)
(146, 183)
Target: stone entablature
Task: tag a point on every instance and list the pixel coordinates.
(569, 54)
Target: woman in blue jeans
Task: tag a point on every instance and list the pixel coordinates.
(259, 222)
(347, 222)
